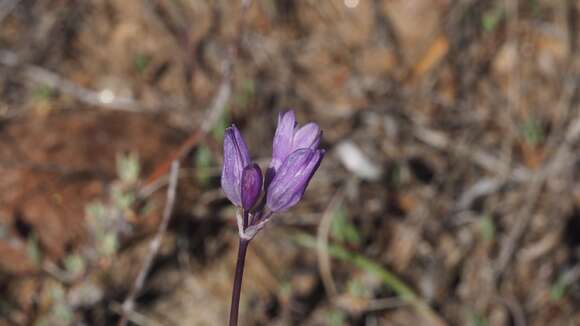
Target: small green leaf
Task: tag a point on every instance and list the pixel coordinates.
(41, 322)
(286, 289)
(3, 232)
(74, 264)
(247, 93)
(63, 312)
(532, 131)
(357, 288)
(128, 167)
(394, 176)
(219, 129)
(342, 229)
(203, 163)
(336, 317)
(33, 250)
(536, 9)
(108, 244)
(558, 290)
(147, 208)
(476, 319)
(97, 215)
(491, 19)
(122, 199)
(487, 227)
(56, 292)
(43, 93)
(5, 307)
(142, 61)
(96, 209)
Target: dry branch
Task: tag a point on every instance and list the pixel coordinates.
(154, 245)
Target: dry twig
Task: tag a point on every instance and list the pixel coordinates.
(552, 167)
(324, 262)
(134, 316)
(6, 8)
(153, 245)
(104, 98)
(219, 102)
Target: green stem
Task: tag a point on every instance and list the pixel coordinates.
(404, 292)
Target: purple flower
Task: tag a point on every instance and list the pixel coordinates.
(251, 185)
(289, 138)
(295, 158)
(292, 178)
(236, 158)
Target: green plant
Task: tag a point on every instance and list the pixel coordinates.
(102, 227)
(403, 291)
(33, 249)
(219, 129)
(128, 167)
(533, 131)
(74, 264)
(203, 164)
(492, 18)
(476, 319)
(559, 287)
(357, 288)
(60, 311)
(342, 229)
(487, 228)
(42, 93)
(336, 317)
(247, 93)
(141, 62)
(104, 218)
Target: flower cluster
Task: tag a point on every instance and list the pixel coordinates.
(295, 158)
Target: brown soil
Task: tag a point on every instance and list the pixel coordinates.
(466, 113)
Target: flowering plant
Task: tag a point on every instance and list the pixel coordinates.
(295, 158)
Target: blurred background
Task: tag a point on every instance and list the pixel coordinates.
(449, 194)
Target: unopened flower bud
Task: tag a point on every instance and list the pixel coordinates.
(251, 185)
(236, 158)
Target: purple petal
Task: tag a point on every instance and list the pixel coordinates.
(308, 136)
(282, 145)
(236, 157)
(291, 180)
(251, 185)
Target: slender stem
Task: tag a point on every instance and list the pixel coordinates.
(246, 215)
(238, 282)
(395, 283)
